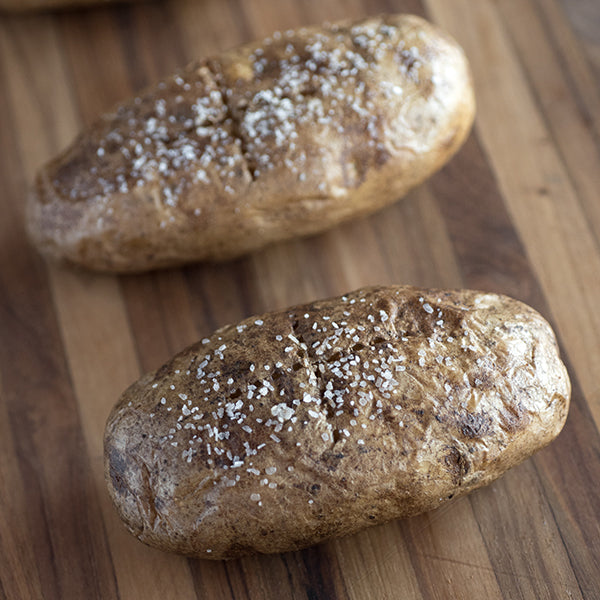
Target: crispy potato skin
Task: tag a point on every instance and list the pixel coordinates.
(293, 427)
(270, 141)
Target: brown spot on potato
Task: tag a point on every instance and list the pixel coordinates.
(457, 464)
(474, 425)
(512, 418)
(412, 320)
(117, 469)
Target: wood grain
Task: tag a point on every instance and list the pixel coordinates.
(515, 212)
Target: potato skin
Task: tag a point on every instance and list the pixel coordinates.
(297, 426)
(270, 141)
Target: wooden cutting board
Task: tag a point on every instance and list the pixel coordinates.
(517, 211)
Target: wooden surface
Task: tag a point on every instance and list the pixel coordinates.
(517, 211)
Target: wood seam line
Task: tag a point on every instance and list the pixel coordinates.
(334, 572)
(244, 580)
(228, 580)
(549, 485)
(587, 199)
(445, 269)
(566, 300)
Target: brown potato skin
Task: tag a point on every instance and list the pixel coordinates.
(270, 141)
(453, 388)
